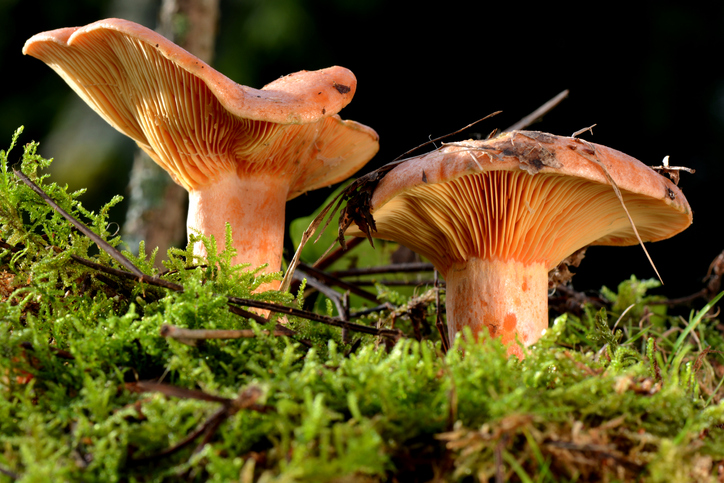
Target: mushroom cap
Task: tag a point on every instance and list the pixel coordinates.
(197, 123)
(524, 195)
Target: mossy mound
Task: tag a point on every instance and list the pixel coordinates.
(91, 390)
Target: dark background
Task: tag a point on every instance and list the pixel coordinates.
(649, 74)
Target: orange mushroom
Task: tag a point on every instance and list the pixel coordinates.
(496, 216)
(241, 153)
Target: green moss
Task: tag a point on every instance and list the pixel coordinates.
(600, 397)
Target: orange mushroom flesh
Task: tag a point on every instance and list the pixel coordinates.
(496, 216)
(241, 153)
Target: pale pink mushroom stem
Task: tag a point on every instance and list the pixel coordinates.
(506, 298)
(253, 206)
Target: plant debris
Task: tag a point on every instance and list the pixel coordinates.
(674, 172)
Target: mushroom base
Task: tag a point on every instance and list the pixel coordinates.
(254, 207)
(508, 298)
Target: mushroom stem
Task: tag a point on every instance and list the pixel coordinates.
(508, 297)
(254, 206)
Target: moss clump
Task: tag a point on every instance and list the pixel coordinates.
(597, 399)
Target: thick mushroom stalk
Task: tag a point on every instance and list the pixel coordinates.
(496, 216)
(253, 204)
(241, 153)
(515, 301)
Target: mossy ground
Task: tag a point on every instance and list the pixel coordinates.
(608, 395)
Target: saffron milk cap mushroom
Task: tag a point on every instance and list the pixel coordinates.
(495, 216)
(240, 152)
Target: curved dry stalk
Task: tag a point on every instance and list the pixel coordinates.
(102, 244)
(620, 198)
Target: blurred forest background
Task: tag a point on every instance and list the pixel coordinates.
(649, 75)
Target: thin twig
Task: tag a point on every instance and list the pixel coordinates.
(395, 283)
(620, 198)
(7, 246)
(188, 336)
(672, 171)
(329, 292)
(538, 114)
(104, 245)
(245, 400)
(62, 354)
(392, 268)
(498, 455)
(308, 233)
(335, 281)
(210, 427)
(158, 282)
(703, 293)
(10, 474)
(336, 254)
(175, 391)
(440, 138)
(304, 314)
(372, 310)
(581, 131)
(257, 304)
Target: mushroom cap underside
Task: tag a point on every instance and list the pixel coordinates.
(302, 97)
(528, 196)
(198, 124)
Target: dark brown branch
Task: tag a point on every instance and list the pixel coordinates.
(336, 254)
(62, 354)
(213, 421)
(304, 314)
(330, 279)
(330, 293)
(393, 268)
(155, 281)
(158, 282)
(372, 310)
(703, 293)
(7, 246)
(258, 304)
(396, 283)
(175, 391)
(9, 474)
(190, 336)
(245, 400)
